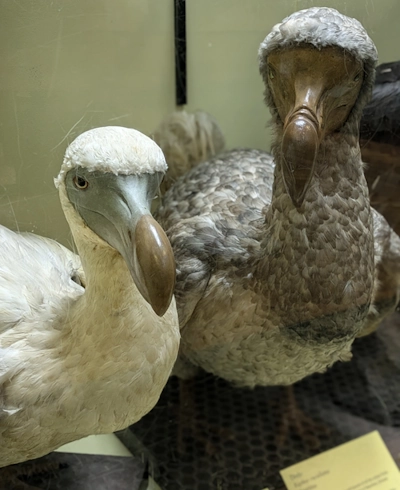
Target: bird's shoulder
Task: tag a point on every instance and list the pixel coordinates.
(213, 217)
(213, 184)
(217, 207)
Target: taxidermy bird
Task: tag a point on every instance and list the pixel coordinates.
(187, 139)
(277, 272)
(380, 142)
(76, 361)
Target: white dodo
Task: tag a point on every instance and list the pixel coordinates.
(80, 360)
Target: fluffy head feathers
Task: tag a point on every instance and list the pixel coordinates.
(113, 149)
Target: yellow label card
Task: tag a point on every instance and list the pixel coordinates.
(362, 464)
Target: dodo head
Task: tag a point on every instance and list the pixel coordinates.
(318, 67)
(110, 175)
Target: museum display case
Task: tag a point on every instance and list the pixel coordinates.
(289, 316)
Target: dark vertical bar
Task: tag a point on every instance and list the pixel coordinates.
(180, 52)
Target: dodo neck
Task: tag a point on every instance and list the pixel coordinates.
(338, 172)
(110, 290)
(318, 258)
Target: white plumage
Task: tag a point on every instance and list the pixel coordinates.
(23, 290)
(77, 361)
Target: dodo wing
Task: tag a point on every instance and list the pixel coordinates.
(37, 277)
(213, 218)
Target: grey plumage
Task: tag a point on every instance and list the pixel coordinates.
(270, 289)
(187, 139)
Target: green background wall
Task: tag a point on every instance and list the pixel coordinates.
(70, 65)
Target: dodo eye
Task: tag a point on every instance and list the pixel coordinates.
(80, 182)
(357, 77)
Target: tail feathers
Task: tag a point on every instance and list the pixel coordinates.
(187, 140)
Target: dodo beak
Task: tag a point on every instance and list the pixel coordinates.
(313, 91)
(152, 265)
(302, 132)
(117, 209)
(142, 242)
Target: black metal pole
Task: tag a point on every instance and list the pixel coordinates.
(180, 52)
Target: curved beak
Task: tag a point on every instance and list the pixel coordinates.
(146, 250)
(153, 264)
(117, 209)
(302, 133)
(314, 91)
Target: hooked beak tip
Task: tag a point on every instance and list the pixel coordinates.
(155, 268)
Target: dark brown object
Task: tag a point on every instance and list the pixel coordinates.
(380, 143)
(156, 264)
(71, 471)
(298, 85)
